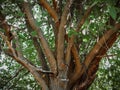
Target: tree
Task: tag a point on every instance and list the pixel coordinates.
(107, 75)
(60, 42)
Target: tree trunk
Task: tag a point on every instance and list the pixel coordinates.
(57, 84)
(63, 67)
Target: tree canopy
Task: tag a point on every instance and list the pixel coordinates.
(59, 44)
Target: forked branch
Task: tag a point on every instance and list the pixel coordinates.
(100, 44)
(61, 34)
(40, 53)
(31, 21)
(86, 15)
(23, 61)
(78, 66)
(96, 50)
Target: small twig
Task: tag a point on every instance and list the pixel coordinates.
(14, 83)
(15, 75)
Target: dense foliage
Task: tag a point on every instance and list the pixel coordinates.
(60, 38)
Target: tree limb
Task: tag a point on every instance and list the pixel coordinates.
(23, 61)
(95, 51)
(26, 64)
(40, 54)
(55, 4)
(100, 44)
(53, 13)
(74, 50)
(47, 51)
(38, 48)
(50, 10)
(68, 51)
(93, 67)
(61, 35)
(78, 65)
(82, 21)
(6, 27)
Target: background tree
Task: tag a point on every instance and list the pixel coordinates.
(60, 42)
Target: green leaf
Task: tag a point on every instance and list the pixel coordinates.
(112, 12)
(20, 14)
(72, 32)
(22, 36)
(33, 33)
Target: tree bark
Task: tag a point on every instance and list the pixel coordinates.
(67, 72)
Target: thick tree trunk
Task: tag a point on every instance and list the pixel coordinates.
(57, 84)
(67, 72)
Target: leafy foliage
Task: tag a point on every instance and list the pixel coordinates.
(103, 16)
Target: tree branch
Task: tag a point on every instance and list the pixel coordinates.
(68, 51)
(61, 35)
(74, 50)
(87, 13)
(100, 44)
(40, 54)
(78, 65)
(76, 59)
(17, 48)
(14, 83)
(15, 75)
(95, 51)
(6, 27)
(81, 22)
(93, 66)
(47, 51)
(26, 64)
(38, 48)
(53, 13)
(50, 10)
(23, 61)
(55, 4)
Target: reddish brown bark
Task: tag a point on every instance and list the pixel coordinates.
(92, 60)
(50, 10)
(67, 72)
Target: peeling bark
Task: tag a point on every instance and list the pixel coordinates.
(67, 72)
